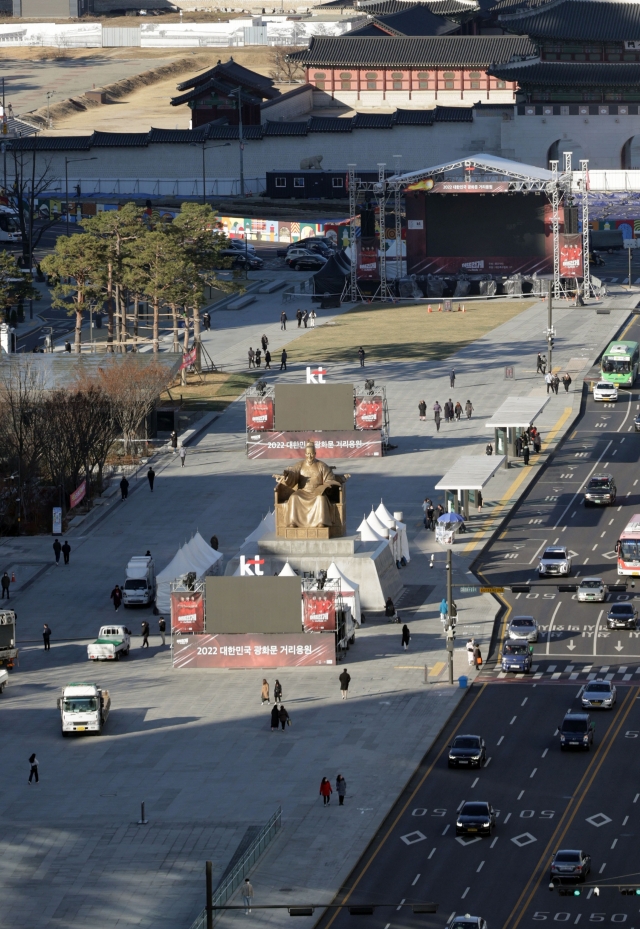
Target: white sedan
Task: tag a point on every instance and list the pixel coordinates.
(592, 589)
(604, 391)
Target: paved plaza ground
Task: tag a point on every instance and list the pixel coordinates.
(196, 746)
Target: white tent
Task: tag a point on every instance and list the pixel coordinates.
(377, 525)
(268, 524)
(349, 590)
(367, 534)
(385, 516)
(287, 571)
(195, 556)
(404, 542)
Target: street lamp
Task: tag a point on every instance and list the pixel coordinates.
(238, 93)
(206, 148)
(67, 162)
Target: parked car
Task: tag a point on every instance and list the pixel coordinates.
(554, 560)
(308, 262)
(570, 863)
(592, 589)
(601, 490)
(241, 245)
(240, 260)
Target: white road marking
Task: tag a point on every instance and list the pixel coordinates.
(431, 854)
(520, 794)
(610, 522)
(586, 560)
(604, 533)
(533, 773)
(401, 902)
(595, 633)
(513, 720)
(602, 867)
(465, 893)
(594, 547)
(494, 842)
(500, 739)
(415, 880)
(625, 821)
(487, 762)
(537, 550)
(445, 830)
(545, 752)
(573, 514)
(571, 502)
(475, 782)
(480, 867)
(635, 799)
(551, 625)
(626, 414)
(614, 843)
(508, 816)
(524, 701)
(461, 805)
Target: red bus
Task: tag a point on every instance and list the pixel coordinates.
(628, 548)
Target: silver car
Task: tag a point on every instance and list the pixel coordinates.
(467, 922)
(592, 589)
(523, 629)
(555, 560)
(599, 693)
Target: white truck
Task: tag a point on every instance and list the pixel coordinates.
(113, 643)
(140, 584)
(4, 679)
(83, 708)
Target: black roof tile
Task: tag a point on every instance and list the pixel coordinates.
(591, 20)
(454, 114)
(403, 52)
(230, 70)
(51, 143)
(119, 139)
(373, 121)
(273, 128)
(569, 72)
(329, 124)
(178, 135)
(415, 117)
(216, 131)
(417, 20)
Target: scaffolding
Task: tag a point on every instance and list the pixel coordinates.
(586, 270)
(383, 190)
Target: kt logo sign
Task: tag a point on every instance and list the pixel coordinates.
(316, 376)
(246, 565)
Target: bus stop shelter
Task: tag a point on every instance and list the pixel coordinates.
(469, 475)
(511, 419)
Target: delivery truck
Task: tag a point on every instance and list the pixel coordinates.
(83, 708)
(8, 650)
(140, 584)
(113, 643)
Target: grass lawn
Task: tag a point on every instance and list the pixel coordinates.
(402, 333)
(215, 391)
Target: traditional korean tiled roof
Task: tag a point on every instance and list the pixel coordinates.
(417, 52)
(569, 73)
(417, 20)
(589, 20)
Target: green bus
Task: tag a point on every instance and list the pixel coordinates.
(620, 363)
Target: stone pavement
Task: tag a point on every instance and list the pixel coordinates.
(196, 746)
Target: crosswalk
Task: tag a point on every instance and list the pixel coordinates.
(560, 671)
(618, 280)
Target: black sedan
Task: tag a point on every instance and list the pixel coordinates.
(475, 818)
(622, 616)
(307, 263)
(467, 751)
(570, 864)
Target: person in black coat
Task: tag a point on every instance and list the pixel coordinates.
(275, 717)
(124, 488)
(406, 637)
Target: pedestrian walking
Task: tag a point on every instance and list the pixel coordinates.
(458, 410)
(518, 444)
(174, 441)
(548, 379)
(470, 647)
(452, 378)
(283, 360)
(468, 408)
(444, 610)
(305, 318)
(162, 627)
(406, 637)
(341, 789)
(265, 692)
(247, 895)
(325, 791)
(477, 656)
(33, 768)
(489, 449)
(431, 524)
(525, 453)
(277, 692)
(556, 384)
(537, 442)
(258, 358)
(183, 455)
(437, 413)
(299, 317)
(66, 551)
(6, 583)
(124, 488)
(67, 346)
(479, 499)
(344, 679)
(284, 717)
(145, 634)
(425, 509)
(422, 411)
(116, 596)
(283, 320)
(566, 380)
(361, 355)
(151, 476)
(206, 321)
(267, 359)
(57, 548)
(540, 364)
(275, 719)
(252, 358)
(46, 636)
(264, 341)
(389, 609)
(312, 319)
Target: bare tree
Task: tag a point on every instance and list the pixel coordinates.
(20, 433)
(32, 176)
(283, 68)
(133, 391)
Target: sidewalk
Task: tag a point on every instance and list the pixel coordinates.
(197, 746)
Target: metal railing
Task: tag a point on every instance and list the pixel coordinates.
(232, 881)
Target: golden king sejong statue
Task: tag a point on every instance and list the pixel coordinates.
(310, 499)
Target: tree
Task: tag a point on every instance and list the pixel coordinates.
(76, 259)
(21, 387)
(31, 177)
(282, 67)
(153, 271)
(16, 286)
(132, 390)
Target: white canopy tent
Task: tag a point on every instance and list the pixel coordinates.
(194, 556)
(268, 524)
(392, 522)
(367, 534)
(349, 590)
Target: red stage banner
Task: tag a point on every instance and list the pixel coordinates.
(187, 611)
(78, 495)
(319, 608)
(571, 255)
(259, 413)
(367, 266)
(254, 650)
(368, 412)
(347, 444)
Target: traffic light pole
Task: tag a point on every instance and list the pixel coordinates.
(550, 330)
(451, 636)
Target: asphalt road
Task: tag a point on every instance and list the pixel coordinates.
(547, 799)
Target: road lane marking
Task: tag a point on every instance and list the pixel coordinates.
(545, 752)
(431, 854)
(494, 841)
(408, 803)
(537, 551)
(480, 867)
(614, 843)
(500, 739)
(551, 625)
(595, 633)
(626, 415)
(625, 821)
(533, 773)
(602, 867)
(401, 902)
(487, 762)
(465, 893)
(475, 782)
(579, 490)
(531, 888)
(513, 720)
(508, 816)
(415, 880)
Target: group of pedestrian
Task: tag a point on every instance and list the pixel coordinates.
(65, 549)
(306, 318)
(450, 411)
(255, 357)
(528, 442)
(431, 514)
(279, 715)
(553, 381)
(326, 790)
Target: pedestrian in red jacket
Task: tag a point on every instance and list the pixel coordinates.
(325, 791)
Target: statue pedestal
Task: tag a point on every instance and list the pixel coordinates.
(369, 564)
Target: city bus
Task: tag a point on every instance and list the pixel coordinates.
(628, 548)
(620, 363)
